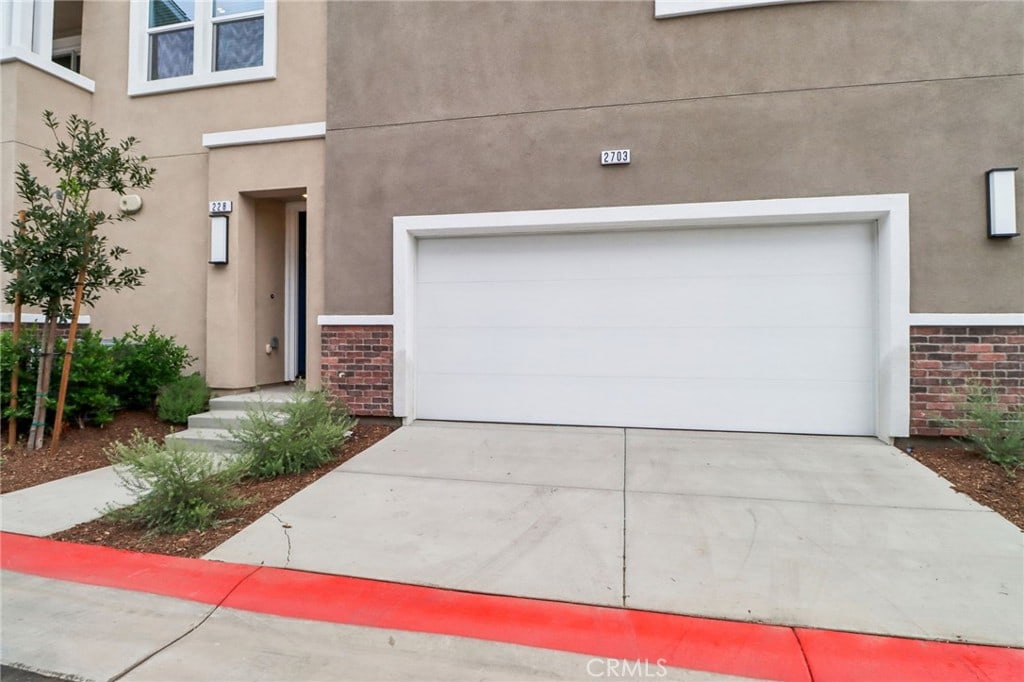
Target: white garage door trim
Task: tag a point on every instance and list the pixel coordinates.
(890, 211)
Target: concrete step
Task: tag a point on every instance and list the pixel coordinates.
(216, 419)
(243, 401)
(206, 439)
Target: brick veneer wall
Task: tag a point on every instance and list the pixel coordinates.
(357, 365)
(945, 360)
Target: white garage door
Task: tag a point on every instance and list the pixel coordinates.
(743, 329)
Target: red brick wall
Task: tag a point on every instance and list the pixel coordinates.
(945, 360)
(357, 365)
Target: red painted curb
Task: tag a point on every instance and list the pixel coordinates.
(744, 649)
(727, 647)
(203, 581)
(847, 656)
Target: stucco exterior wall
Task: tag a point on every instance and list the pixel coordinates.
(457, 107)
(171, 235)
(279, 172)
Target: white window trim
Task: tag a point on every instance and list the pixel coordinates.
(285, 133)
(9, 54)
(203, 75)
(891, 212)
(663, 9)
(28, 38)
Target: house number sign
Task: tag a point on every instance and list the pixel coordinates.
(611, 157)
(220, 207)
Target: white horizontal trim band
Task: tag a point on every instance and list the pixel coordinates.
(288, 133)
(38, 318)
(20, 54)
(355, 320)
(967, 319)
(664, 9)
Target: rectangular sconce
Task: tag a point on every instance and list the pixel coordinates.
(1002, 205)
(219, 239)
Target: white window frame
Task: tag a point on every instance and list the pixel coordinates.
(663, 9)
(26, 35)
(203, 75)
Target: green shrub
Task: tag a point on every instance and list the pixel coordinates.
(181, 399)
(27, 350)
(146, 362)
(302, 434)
(994, 429)
(91, 397)
(91, 386)
(175, 490)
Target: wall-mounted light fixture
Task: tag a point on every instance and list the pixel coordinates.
(1002, 205)
(219, 239)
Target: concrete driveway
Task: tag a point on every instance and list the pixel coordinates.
(827, 532)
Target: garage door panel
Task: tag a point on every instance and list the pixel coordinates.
(837, 300)
(715, 252)
(753, 328)
(717, 405)
(684, 353)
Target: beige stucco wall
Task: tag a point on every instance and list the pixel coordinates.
(249, 175)
(25, 92)
(505, 106)
(183, 295)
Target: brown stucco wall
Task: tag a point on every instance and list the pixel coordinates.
(459, 107)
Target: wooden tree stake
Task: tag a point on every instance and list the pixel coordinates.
(69, 349)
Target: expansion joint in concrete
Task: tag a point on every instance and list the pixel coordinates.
(189, 631)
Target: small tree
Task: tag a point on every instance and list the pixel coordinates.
(57, 259)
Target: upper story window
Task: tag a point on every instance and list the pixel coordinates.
(46, 34)
(181, 44)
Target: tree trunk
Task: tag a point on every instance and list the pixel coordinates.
(69, 353)
(35, 441)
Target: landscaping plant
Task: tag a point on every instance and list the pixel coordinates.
(181, 399)
(994, 429)
(24, 354)
(56, 258)
(299, 435)
(91, 397)
(175, 490)
(146, 362)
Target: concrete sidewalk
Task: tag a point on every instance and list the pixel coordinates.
(824, 532)
(58, 505)
(93, 613)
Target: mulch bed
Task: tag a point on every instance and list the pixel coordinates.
(971, 474)
(81, 450)
(263, 495)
